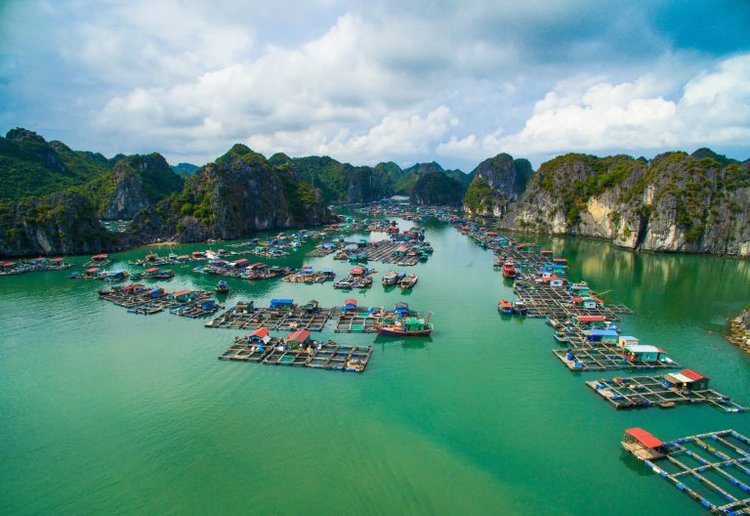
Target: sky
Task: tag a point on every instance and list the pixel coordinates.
(379, 80)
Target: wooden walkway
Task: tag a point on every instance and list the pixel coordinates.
(650, 391)
(712, 468)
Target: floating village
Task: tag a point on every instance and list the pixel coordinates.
(586, 328)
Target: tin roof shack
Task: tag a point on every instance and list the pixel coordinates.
(644, 353)
(601, 336)
(642, 444)
(282, 304)
(298, 339)
(589, 322)
(627, 340)
(686, 379)
(183, 296)
(580, 289)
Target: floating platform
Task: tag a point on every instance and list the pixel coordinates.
(656, 391)
(545, 301)
(245, 316)
(603, 357)
(712, 468)
(330, 355)
(357, 322)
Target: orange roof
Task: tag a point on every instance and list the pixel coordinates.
(92, 270)
(692, 374)
(299, 336)
(644, 437)
(181, 293)
(260, 332)
(152, 269)
(590, 318)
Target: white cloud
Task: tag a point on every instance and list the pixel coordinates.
(714, 108)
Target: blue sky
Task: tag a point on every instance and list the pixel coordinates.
(379, 80)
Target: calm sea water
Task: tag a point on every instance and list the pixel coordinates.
(103, 411)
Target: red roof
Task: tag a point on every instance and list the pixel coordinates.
(92, 270)
(241, 261)
(7, 264)
(260, 332)
(643, 437)
(590, 318)
(692, 374)
(299, 336)
(99, 257)
(546, 251)
(256, 265)
(56, 260)
(505, 304)
(197, 253)
(181, 293)
(577, 299)
(356, 270)
(152, 269)
(350, 302)
(559, 260)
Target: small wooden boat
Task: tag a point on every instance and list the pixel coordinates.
(390, 278)
(408, 281)
(509, 270)
(222, 287)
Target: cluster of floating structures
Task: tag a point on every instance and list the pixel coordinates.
(713, 468)
(40, 264)
(297, 350)
(309, 275)
(141, 299)
(243, 269)
(359, 277)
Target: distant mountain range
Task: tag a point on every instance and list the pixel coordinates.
(52, 197)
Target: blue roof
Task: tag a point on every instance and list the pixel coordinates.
(275, 302)
(603, 333)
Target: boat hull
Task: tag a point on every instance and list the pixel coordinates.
(390, 332)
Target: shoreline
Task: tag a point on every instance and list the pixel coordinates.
(739, 330)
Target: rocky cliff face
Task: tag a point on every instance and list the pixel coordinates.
(238, 194)
(496, 183)
(675, 202)
(136, 183)
(62, 223)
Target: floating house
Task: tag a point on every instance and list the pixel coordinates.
(183, 296)
(627, 340)
(642, 444)
(686, 379)
(282, 303)
(298, 339)
(644, 353)
(603, 336)
(580, 289)
(350, 305)
(589, 321)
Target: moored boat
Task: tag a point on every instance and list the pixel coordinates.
(222, 287)
(505, 307)
(509, 270)
(390, 278)
(408, 281)
(407, 327)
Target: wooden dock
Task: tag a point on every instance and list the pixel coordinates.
(544, 301)
(357, 322)
(712, 468)
(604, 357)
(652, 391)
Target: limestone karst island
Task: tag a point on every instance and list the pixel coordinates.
(375, 258)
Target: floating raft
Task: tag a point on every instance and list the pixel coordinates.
(385, 251)
(604, 357)
(330, 356)
(543, 300)
(651, 391)
(247, 316)
(357, 322)
(712, 468)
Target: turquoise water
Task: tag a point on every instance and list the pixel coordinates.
(104, 411)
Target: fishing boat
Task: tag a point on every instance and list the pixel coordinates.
(222, 287)
(505, 307)
(519, 308)
(154, 273)
(407, 327)
(509, 270)
(408, 281)
(390, 278)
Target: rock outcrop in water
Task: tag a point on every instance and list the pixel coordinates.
(739, 333)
